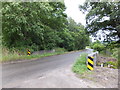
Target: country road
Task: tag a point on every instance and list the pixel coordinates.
(14, 74)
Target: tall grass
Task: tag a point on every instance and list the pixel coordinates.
(79, 66)
(8, 55)
(14, 55)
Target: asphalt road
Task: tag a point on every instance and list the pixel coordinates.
(14, 73)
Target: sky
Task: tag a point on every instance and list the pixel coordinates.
(73, 10)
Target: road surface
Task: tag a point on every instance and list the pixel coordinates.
(15, 73)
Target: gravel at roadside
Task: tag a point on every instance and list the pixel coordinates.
(106, 77)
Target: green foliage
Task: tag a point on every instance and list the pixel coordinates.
(80, 66)
(114, 64)
(115, 53)
(110, 52)
(40, 26)
(103, 16)
(27, 24)
(97, 46)
(78, 36)
(18, 55)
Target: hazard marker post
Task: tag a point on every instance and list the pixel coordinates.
(28, 53)
(90, 64)
(91, 60)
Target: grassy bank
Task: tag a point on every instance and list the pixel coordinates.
(22, 57)
(14, 56)
(79, 66)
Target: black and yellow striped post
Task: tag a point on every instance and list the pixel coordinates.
(28, 52)
(90, 63)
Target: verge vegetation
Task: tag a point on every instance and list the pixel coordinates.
(12, 56)
(107, 51)
(40, 26)
(79, 66)
(37, 26)
(108, 28)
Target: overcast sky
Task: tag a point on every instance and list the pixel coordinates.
(73, 10)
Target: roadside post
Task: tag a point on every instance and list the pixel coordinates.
(28, 52)
(90, 63)
(91, 60)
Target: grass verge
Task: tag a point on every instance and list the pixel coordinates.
(15, 57)
(79, 66)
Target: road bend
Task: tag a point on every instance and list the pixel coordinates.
(15, 73)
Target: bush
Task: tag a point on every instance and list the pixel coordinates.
(98, 47)
(115, 53)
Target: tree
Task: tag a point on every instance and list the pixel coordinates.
(103, 16)
(97, 46)
(40, 25)
(32, 23)
(81, 38)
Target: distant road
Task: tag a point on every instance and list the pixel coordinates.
(14, 74)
